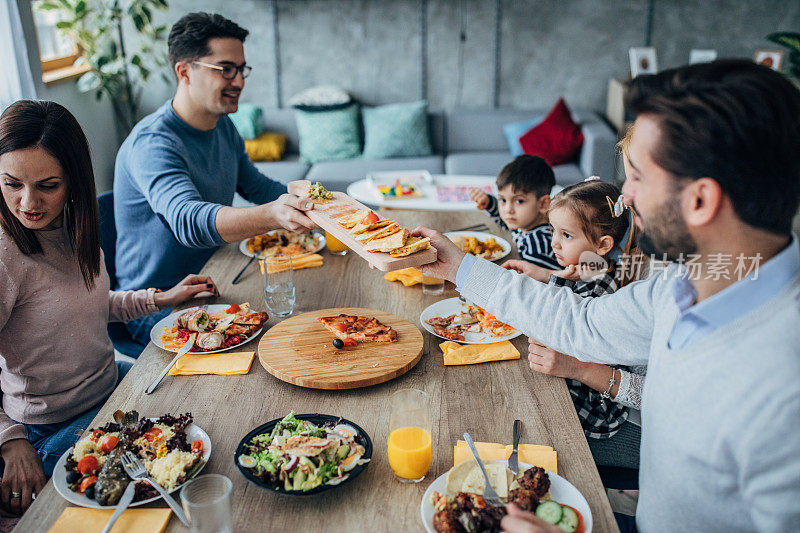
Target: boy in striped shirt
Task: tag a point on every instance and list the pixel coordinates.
(521, 206)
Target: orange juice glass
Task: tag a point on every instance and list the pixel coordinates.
(409, 444)
(335, 246)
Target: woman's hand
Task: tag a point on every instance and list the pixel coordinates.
(548, 361)
(190, 286)
(448, 259)
(23, 475)
(529, 269)
(479, 197)
(519, 521)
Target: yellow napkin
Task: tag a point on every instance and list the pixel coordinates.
(94, 520)
(224, 364)
(307, 261)
(407, 276)
(534, 454)
(469, 354)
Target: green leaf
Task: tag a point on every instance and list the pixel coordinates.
(147, 14)
(89, 82)
(80, 9)
(64, 25)
(788, 39)
(138, 22)
(46, 6)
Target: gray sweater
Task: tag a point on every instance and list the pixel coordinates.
(720, 417)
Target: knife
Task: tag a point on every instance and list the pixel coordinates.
(124, 502)
(184, 349)
(513, 462)
(239, 275)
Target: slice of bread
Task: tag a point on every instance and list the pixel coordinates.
(396, 240)
(413, 244)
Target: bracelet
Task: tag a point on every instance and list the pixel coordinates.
(607, 394)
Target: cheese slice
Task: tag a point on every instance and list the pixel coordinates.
(397, 240)
(379, 233)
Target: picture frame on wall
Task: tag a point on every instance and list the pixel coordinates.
(769, 58)
(702, 56)
(643, 60)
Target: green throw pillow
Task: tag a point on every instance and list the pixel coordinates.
(396, 130)
(328, 135)
(247, 121)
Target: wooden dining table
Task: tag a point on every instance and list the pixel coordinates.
(482, 399)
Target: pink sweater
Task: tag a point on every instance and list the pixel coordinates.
(56, 360)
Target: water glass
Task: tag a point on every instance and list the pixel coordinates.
(431, 285)
(207, 503)
(410, 445)
(279, 292)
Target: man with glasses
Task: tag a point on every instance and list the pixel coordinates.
(178, 170)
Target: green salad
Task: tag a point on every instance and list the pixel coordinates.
(299, 455)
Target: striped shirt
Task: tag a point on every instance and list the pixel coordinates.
(534, 245)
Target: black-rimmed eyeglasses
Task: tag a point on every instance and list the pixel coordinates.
(228, 72)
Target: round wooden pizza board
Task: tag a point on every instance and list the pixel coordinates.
(301, 352)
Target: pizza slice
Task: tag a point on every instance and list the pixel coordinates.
(487, 321)
(358, 328)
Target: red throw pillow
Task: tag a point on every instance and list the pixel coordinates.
(557, 139)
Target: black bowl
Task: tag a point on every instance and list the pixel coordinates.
(319, 420)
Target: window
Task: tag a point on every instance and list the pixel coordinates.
(57, 51)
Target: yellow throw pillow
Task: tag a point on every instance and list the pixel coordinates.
(266, 147)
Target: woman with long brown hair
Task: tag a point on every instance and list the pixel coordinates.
(57, 363)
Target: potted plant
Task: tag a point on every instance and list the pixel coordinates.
(116, 69)
(790, 40)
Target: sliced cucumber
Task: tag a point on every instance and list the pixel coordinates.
(550, 512)
(569, 520)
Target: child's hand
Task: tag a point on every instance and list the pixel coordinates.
(572, 272)
(548, 361)
(532, 271)
(479, 197)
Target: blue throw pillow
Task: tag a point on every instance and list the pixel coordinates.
(247, 120)
(396, 130)
(328, 135)
(514, 131)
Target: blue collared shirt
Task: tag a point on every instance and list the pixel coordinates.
(698, 320)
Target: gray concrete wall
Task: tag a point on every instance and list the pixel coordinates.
(373, 48)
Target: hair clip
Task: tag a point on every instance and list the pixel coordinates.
(592, 178)
(618, 207)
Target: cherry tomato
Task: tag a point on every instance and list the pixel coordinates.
(340, 327)
(96, 434)
(152, 434)
(88, 482)
(197, 445)
(233, 309)
(369, 219)
(88, 465)
(108, 443)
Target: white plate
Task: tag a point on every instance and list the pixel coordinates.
(561, 491)
(158, 329)
(193, 432)
(320, 238)
(453, 306)
(453, 235)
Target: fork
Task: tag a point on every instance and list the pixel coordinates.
(489, 494)
(136, 470)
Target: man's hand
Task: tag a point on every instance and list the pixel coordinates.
(288, 211)
(529, 269)
(479, 197)
(548, 361)
(188, 287)
(449, 256)
(519, 521)
(23, 475)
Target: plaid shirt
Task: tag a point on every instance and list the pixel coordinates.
(600, 418)
(534, 245)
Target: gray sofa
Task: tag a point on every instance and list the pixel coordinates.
(464, 141)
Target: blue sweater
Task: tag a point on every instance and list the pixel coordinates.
(169, 182)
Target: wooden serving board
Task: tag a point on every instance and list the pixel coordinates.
(301, 352)
(323, 214)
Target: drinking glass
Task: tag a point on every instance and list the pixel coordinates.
(279, 293)
(431, 285)
(410, 451)
(335, 246)
(207, 503)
